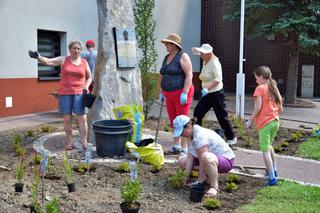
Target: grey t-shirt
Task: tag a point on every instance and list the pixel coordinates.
(91, 57)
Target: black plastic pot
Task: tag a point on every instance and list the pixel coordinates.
(127, 209)
(196, 194)
(32, 209)
(71, 187)
(111, 137)
(18, 187)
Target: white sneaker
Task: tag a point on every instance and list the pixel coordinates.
(232, 142)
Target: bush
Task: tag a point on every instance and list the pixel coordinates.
(19, 170)
(194, 174)
(46, 129)
(30, 133)
(249, 142)
(177, 180)
(130, 191)
(68, 170)
(231, 187)
(211, 203)
(53, 206)
(233, 178)
(277, 149)
(36, 159)
(284, 144)
(123, 167)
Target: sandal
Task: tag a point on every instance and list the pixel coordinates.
(84, 146)
(212, 192)
(68, 147)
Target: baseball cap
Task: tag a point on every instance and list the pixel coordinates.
(90, 43)
(178, 124)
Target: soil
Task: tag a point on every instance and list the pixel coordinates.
(98, 191)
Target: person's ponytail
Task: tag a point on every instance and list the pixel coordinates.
(274, 92)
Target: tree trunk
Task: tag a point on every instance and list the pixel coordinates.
(292, 78)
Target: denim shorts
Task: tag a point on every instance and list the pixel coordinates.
(69, 104)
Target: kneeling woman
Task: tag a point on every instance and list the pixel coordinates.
(205, 145)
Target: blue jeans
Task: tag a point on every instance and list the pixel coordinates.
(69, 104)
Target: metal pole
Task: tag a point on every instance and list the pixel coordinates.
(240, 94)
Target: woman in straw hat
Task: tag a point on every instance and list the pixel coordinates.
(176, 86)
(212, 91)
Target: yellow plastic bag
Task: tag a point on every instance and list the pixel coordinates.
(134, 113)
(152, 153)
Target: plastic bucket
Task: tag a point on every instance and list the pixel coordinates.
(196, 194)
(111, 137)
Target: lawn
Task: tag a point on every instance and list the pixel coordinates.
(310, 149)
(286, 197)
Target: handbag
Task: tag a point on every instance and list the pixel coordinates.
(88, 99)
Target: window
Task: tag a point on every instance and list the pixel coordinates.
(49, 46)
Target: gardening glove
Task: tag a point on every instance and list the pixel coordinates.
(183, 98)
(161, 97)
(33, 54)
(248, 123)
(204, 92)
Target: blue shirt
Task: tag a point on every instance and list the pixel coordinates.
(91, 57)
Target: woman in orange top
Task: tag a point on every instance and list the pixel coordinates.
(268, 104)
(75, 77)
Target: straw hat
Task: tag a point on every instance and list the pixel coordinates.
(205, 48)
(174, 39)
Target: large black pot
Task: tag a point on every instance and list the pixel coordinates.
(197, 193)
(18, 187)
(111, 137)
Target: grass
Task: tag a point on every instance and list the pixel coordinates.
(287, 197)
(310, 149)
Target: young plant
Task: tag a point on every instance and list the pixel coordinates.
(36, 159)
(53, 206)
(296, 136)
(249, 142)
(211, 203)
(233, 178)
(284, 144)
(130, 191)
(20, 170)
(231, 187)
(241, 126)
(277, 149)
(194, 174)
(83, 167)
(46, 129)
(21, 151)
(68, 170)
(123, 167)
(35, 194)
(177, 180)
(30, 133)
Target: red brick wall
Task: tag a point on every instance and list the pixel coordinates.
(223, 35)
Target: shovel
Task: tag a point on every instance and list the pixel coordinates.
(157, 131)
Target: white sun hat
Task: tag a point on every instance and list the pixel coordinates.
(205, 48)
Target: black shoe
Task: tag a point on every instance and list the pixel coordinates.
(173, 151)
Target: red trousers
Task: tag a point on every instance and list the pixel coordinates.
(174, 108)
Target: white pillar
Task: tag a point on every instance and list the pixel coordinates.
(240, 94)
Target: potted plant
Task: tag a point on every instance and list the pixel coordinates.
(35, 205)
(69, 175)
(130, 193)
(53, 206)
(19, 175)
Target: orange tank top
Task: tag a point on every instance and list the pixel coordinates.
(73, 77)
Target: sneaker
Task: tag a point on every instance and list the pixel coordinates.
(272, 182)
(232, 142)
(173, 151)
(275, 173)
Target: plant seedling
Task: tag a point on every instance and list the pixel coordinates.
(130, 191)
(277, 149)
(284, 144)
(211, 203)
(296, 136)
(194, 174)
(123, 167)
(20, 170)
(30, 133)
(53, 206)
(21, 151)
(34, 193)
(83, 167)
(36, 159)
(249, 142)
(177, 180)
(46, 129)
(233, 178)
(231, 187)
(68, 169)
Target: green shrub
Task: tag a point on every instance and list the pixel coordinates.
(177, 180)
(284, 144)
(249, 142)
(83, 167)
(34, 193)
(277, 149)
(17, 141)
(53, 206)
(296, 136)
(233, 178)
(231, 187)
(36, 159)
(21, 151)
(30, 133)
(46, 129)
(130, 191)
(211, 203)
(123, 167)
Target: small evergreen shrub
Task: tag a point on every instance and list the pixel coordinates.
(211, 203)
(177, 180)
(231, 187)
(233, 178)
(130, 191)
(123, 167)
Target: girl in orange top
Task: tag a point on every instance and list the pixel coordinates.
(268, 104)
